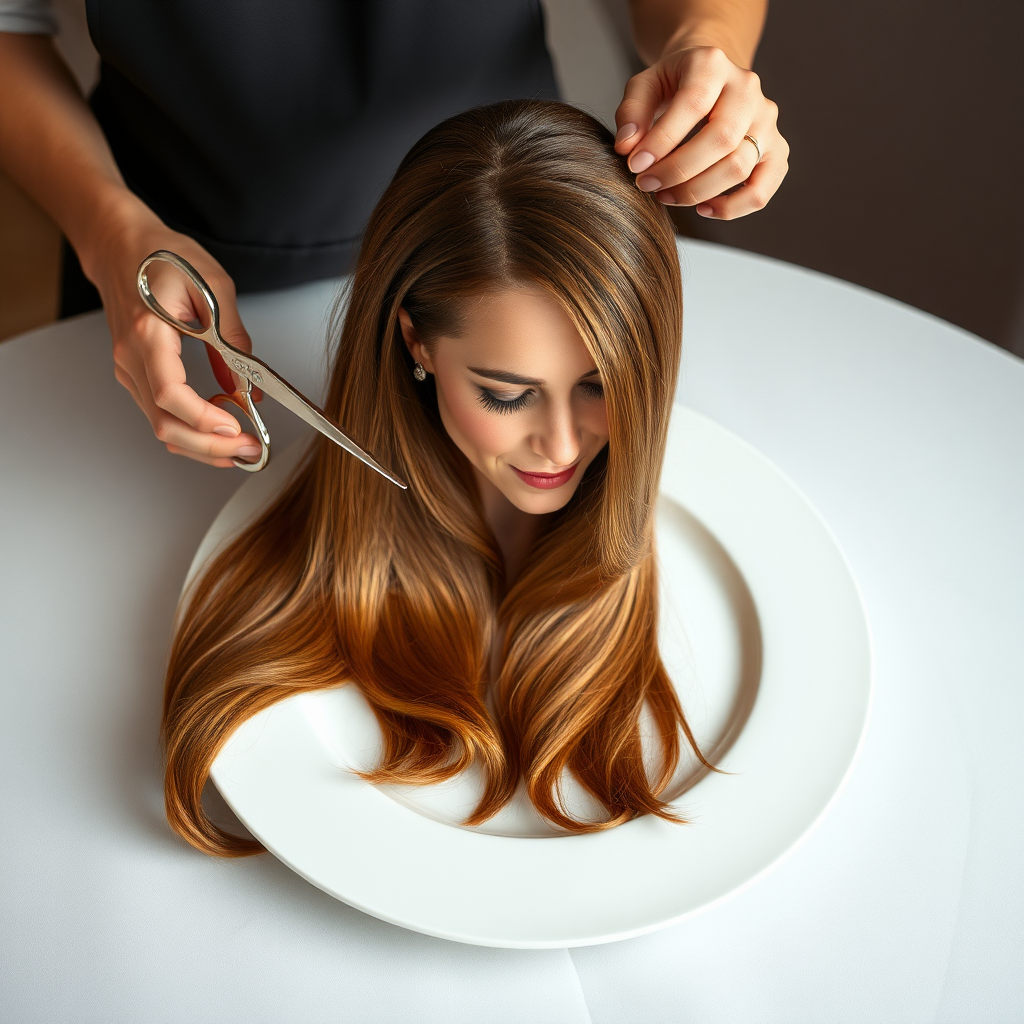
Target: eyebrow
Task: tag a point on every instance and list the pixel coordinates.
(514, 378)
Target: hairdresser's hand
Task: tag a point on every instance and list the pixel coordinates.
(686, 87)
(147, 352)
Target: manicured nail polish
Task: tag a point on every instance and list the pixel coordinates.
(627, 131)
(640, 161)
(248, 451)
(648, 184)
(706, 210)
(227, 431)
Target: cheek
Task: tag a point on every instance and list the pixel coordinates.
(594, 421)
(471, 426)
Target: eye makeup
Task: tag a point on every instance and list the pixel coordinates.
(489, 400)
(492, 401)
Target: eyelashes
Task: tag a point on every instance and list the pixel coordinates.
(490, 401)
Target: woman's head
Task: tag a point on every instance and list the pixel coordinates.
(513, 238)
(513, 257)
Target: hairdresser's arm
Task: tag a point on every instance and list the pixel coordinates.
(700, 52)
(52, 146)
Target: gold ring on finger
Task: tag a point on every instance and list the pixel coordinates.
(754, 143)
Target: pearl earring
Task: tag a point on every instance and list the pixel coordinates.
(418, 372)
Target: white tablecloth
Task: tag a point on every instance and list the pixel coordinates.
(905, 904)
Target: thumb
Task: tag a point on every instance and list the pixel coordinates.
(234, 333)
(231, 328)
(641, 101)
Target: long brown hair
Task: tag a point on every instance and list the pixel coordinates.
(347, 578)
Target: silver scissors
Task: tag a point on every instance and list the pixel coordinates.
(248, 368)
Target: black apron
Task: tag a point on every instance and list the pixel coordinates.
(267, 129)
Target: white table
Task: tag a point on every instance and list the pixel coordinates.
(906, 903)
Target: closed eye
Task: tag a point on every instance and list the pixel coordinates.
(592, 388)
(503, 402)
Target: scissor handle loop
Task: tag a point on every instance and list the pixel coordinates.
(193, 328)
(243, 400)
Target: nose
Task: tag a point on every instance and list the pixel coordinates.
(558, 440)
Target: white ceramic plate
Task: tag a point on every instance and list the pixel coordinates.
(766, 639)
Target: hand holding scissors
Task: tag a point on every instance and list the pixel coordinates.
(249, 369)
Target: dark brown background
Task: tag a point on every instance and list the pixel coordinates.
(907, 171)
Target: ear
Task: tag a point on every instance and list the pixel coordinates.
(413, 342)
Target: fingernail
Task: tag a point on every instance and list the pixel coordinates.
(706, 210)
(627, 131)
(248, 451)
(648, 184)
(640, 161)
(227, 431)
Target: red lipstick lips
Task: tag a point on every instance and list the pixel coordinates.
(546, 481)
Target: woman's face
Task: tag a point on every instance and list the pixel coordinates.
(520, 395)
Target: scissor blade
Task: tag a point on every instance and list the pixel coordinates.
(281, 391)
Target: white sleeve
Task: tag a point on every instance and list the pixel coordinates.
(30, 17)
